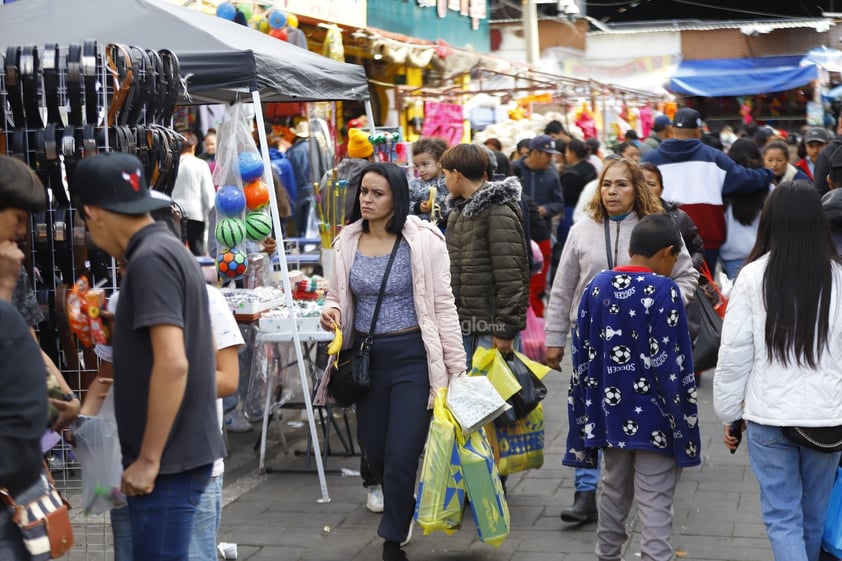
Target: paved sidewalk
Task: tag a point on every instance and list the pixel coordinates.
(276, 516)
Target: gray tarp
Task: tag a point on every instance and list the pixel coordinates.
(223, 60)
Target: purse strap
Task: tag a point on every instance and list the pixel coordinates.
(383, 287)
(6, 496)
(608, 257)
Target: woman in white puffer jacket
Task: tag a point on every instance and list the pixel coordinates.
(780, 365)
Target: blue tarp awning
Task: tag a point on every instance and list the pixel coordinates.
(741, 76)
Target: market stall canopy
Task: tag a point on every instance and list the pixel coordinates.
(828, 59)
(222, 60)
(741, 76)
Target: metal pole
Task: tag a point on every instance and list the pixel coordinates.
(299, 356)
(530, 31)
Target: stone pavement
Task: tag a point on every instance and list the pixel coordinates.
(276, 516)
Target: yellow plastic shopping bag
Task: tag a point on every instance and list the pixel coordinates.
(490, 363)
(441, 489)
(518, 446)
(485, 491)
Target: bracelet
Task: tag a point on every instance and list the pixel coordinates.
(69, 397)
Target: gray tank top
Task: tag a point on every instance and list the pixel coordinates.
(397, 312)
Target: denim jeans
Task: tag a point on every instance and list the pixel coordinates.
(392, 425)
(586, 479)
(731, 267)
(206, 522)
(795, 484)
(162, 522)
(121, 531)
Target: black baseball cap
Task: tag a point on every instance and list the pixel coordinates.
(816, 134)
(114, 181)
(686, 118)
(543, 143)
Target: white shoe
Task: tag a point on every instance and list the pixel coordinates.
(235, 421)
(374, 501)
(408, 535)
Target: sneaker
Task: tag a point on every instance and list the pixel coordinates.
(408, 539)
(374, 501)
(235, 421)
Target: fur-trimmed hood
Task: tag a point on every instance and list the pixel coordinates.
(491, 193)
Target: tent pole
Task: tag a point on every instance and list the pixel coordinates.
(279, 235)
(370, 114)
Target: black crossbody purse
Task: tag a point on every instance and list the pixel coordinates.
(350, 378)
(823, 439)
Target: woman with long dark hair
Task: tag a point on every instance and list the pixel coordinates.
(779, 365)
(417, 339)
(742, 211)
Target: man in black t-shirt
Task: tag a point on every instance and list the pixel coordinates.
(164, 382)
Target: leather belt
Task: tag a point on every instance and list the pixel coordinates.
(412, 329)
(168, 87)
(49, 65)
(90, 73)
(74, 84)
(119, 64)
(143, 84)
(30, 65)
(3, 125)
(13, 86)
(51, 165)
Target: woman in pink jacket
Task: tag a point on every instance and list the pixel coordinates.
(417, 340)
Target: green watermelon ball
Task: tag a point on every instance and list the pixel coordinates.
(230, 232)
(258, 226)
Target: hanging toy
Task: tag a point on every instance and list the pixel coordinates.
(258, 226)
(277, 19)
(251, 166)
(226, 10)
(257, 195)
(232, 263)
(230, 200)
(279, 34)
(230, 232)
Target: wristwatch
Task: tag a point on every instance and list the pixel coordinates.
(70, 396)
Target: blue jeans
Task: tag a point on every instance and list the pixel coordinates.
(795, 484)
(586, 479)
(121, 531)
(206, 522)
(162, 522)
(392, 425)
(731, 267)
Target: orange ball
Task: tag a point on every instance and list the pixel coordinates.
(257, 195)
(279, 34)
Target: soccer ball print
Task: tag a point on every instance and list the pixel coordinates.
(232, 264)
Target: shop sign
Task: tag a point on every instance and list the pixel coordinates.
(643, 73)
(445, 120)
(345, 12)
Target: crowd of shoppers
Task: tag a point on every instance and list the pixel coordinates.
(459, 236)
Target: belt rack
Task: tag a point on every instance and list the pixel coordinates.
(58, 105)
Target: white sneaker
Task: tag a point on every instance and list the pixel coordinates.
(235, 421)
(408, 535)
(374, 501)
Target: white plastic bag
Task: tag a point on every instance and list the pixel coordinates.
(474, 402)
(97, 447)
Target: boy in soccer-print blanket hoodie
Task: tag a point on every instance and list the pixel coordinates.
(632, 386)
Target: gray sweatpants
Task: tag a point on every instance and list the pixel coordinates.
(645, 477)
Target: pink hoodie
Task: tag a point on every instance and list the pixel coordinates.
(434, 303)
